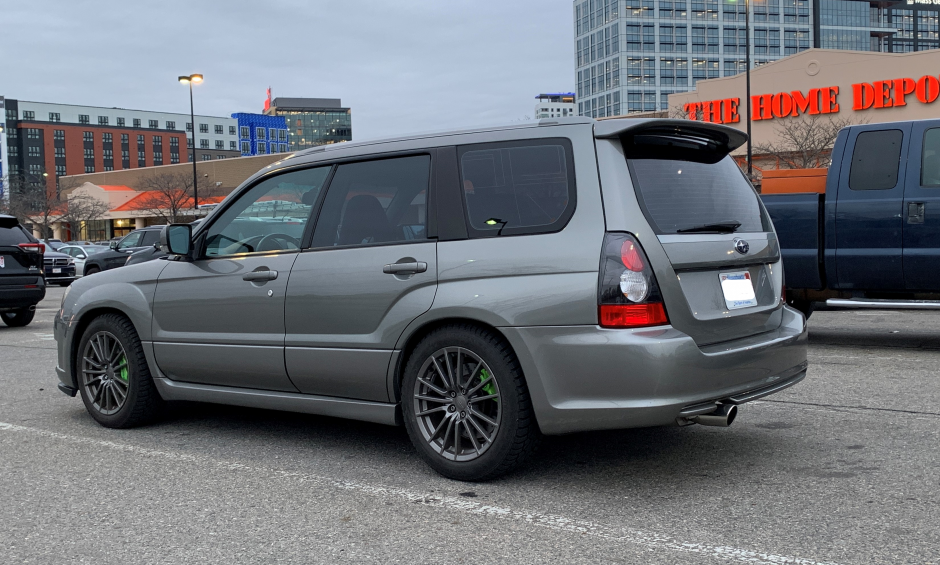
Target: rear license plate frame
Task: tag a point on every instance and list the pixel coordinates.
(737, 288)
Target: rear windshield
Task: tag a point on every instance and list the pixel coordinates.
(11, 236)
(681, 195)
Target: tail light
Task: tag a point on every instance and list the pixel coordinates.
(628, 296)
(39, 248)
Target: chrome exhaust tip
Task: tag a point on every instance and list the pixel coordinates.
(722, 417)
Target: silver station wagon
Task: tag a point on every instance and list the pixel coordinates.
(480, 287)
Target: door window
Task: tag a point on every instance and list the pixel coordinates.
(149, 238)
(131, 240)
(875, 160)
(375, 202)
(271, 216)
(930, 162)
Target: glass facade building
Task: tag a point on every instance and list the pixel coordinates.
(313, 121)
(632, 54)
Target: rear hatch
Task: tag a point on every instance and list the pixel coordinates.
(19, 267)
(710, 242)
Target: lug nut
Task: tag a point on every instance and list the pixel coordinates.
(453, 394)
(463, 414)
(451, 408)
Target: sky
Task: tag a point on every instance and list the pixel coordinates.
(402, 66)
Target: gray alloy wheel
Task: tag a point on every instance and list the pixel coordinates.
(457, 404)
(105, 372)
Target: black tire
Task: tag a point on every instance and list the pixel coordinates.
(18, 318)
(517, 434)
(142, 403)
(91, 270)
(804, 306)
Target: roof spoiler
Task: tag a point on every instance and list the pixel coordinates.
(681, 134)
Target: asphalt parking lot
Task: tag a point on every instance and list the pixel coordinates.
(841, 469)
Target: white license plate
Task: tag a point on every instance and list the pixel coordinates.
(738, 289)
(54, 271)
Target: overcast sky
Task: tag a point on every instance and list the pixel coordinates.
(403, 66)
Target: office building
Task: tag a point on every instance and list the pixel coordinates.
(261, 135)
(558, 105)
(632, 54)
(312, 121)
(48, 141)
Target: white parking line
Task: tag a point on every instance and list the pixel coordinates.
(647, 540)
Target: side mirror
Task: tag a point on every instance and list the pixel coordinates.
(177, 239)
(113, 244)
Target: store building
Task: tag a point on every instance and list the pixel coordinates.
(261, 135)
(312, 121)
(49, 141)
(559, 105)
(854, 86)
(631, 55)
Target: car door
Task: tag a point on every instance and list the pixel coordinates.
(921, 210)
(219, 319)
(370, 270)
(868, 210)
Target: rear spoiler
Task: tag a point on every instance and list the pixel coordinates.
(650, 138)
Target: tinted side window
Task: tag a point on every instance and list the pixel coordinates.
(518, 187)
(371, 202)
(930, 164)
(875, 160)
(131, 240)
(150, 237)
(271, 216)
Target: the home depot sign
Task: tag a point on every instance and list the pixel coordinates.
(875, 95)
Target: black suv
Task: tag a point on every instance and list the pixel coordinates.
(121, 250)
(21, 278)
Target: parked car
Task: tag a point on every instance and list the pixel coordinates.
(870, 240)
(58, 268)
(121, 249)
(80, 253)
(53, 244)
(21, 283)
(481, 287)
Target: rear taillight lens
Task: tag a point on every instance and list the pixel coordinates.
(628, 296)
(33, 247)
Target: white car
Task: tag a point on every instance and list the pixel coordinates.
(80, 253)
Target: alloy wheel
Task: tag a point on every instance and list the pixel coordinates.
(105, 372)
(456, 404)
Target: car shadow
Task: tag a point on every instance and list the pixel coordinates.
(875, 338)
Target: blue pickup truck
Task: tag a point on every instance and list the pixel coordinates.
(873, 239)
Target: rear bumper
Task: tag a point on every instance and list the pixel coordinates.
(589, 378)
(14, 298)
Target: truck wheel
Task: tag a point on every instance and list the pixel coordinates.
(113, 375)
(466, 405)
(91, 270)
(804, 306)
(18, 318)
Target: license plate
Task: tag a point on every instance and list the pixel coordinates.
(54, 271)
(738, 289)
(2, 262)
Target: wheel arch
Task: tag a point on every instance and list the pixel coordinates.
(84, 320)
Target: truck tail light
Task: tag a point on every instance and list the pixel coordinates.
(39, 248)
(628, 296)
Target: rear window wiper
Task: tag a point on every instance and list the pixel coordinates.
(717, 227)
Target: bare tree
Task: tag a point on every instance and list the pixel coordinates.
(32, 202)
(80, 209)
(169, 196)
(803, 143)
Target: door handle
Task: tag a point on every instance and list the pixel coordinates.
(257, 276)
(915, 212)
(405, 268)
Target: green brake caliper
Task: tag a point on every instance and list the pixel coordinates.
(123, 361)
(488, 388)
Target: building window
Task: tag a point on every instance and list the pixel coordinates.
(283, 147)
(246, 147)
(259, 133)
(125, 154)
(175, 142)
(158, 157)
(219, 144)
(203, 128)
(141, 156)
(189, 126)
(154, 124)
(89, 168)
(88, 136)
(107, 154)
(106, 138)
(274, 148)
(231, 130)
(272, 133)
(261, 149)
(140, 139)
(206, 157)
(203, 143)
(120, 122)
(217, 157)
(189, 142)
(282, 135)
(157, 140)
(109, 167)
(32, 133)
(58, 135)
(13, 133)
(102, 120)
(232, 145)
(60, 170)
(33, 151)
(60, 152)
(245, 132)
(124, 139)
(55, 117)
(218, 129)
(29, 115)
(89, 153)
(136, 122)
(174, 157)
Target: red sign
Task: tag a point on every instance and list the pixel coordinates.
(267, 102)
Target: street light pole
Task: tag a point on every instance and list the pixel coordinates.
(747, 79)
(192, 117)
